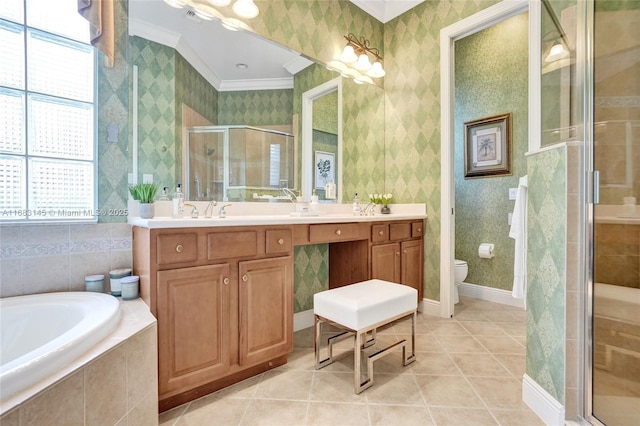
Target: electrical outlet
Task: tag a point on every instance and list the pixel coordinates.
(513, 192)
(147, 178)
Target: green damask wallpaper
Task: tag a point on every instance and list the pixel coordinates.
(255, 107)
(546, 270)
(489, 85)
(412, 114)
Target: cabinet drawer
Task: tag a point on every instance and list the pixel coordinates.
(379, 233)
(334, 232)
(278, 241)
(417, 229)
(177, 248)
(225, 245)
(399, 231)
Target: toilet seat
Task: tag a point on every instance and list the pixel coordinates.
(457, 262)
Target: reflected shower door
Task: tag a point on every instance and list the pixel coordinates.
(616, 302)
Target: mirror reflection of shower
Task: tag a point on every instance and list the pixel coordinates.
(238, 163)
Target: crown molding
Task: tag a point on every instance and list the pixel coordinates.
(256, 84)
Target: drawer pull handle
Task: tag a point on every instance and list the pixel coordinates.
(381, 233)
(338, 232)
(179, 248)
(245, 278)
(226, 281)
(397, 253)
(281, 241)
(404, 251)
(419, 230)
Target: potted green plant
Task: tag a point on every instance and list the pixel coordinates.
(145, 194)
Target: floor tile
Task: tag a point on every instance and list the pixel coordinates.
(462, 416)
(450, 391)
(398, 415)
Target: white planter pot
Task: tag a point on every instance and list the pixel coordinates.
(147, 210)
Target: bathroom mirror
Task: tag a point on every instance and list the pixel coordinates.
(161, 150)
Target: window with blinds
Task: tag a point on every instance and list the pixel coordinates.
(47, 112)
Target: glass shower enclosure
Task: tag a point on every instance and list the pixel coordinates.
(238, 163)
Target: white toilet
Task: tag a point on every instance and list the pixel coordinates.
(461, 270)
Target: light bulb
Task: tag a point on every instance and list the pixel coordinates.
(556, 52)
(245, 9)
(348, 55)
(220, 3)
(376, 70)
(362, 64)
(178, 4)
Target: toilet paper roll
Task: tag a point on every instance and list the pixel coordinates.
(485, 251)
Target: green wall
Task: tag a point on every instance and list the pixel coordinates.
(325, 111)
(255, 107)
(412, 114)
(546, 270)
(488, 85)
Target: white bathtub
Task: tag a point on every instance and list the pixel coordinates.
(41, 333)
(617, 302)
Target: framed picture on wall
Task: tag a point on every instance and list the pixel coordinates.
(487, 147)
(325, 168)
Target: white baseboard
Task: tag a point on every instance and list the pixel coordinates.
(542, 403)
(490, 294)
(430, 307)
(302, 320)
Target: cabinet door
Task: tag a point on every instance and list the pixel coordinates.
(411, 274)
(385, 262)
(193, 327)
(266, 309)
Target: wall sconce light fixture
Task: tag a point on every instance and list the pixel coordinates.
(205, 9)
(354, 61)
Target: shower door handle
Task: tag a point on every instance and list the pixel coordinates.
(596, 186)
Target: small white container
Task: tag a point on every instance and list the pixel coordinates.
(94, 283)
(114, 280)
(130, 287)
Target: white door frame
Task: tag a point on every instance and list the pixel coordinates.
(307, 136)
(468, 26)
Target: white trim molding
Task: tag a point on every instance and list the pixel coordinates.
(430, 307)
(302, 320)
(489, 294)
(542, 403)
(468, 26)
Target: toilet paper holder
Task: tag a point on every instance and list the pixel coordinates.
(486, 251)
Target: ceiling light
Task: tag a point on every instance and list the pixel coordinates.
(556, 52)
(245, 9)
(242, 66)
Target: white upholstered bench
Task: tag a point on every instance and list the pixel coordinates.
(358, 309)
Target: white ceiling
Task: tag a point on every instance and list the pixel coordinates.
(215, 51)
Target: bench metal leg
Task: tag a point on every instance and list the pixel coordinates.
(361, 341)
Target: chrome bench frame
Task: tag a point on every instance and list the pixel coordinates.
(362, 341)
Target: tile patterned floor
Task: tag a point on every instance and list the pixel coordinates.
(468, 372)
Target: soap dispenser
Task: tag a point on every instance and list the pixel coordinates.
(356, 206)
(165, 194)
(177, 203)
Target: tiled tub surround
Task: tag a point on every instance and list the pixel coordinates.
(114, 383)
(43, 258)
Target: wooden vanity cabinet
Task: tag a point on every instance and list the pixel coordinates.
(396, 253)
(223, 298)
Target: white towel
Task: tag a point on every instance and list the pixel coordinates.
(518, 232)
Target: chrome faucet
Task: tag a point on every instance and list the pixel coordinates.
(223, 213)
(289, 193)
(208, 213)
(368, 210)
(194, 210)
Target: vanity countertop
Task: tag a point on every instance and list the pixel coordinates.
(240, 216)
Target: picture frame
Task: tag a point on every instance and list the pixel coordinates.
(324, 166)
(487, 147)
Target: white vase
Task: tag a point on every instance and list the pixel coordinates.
(147, 210)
